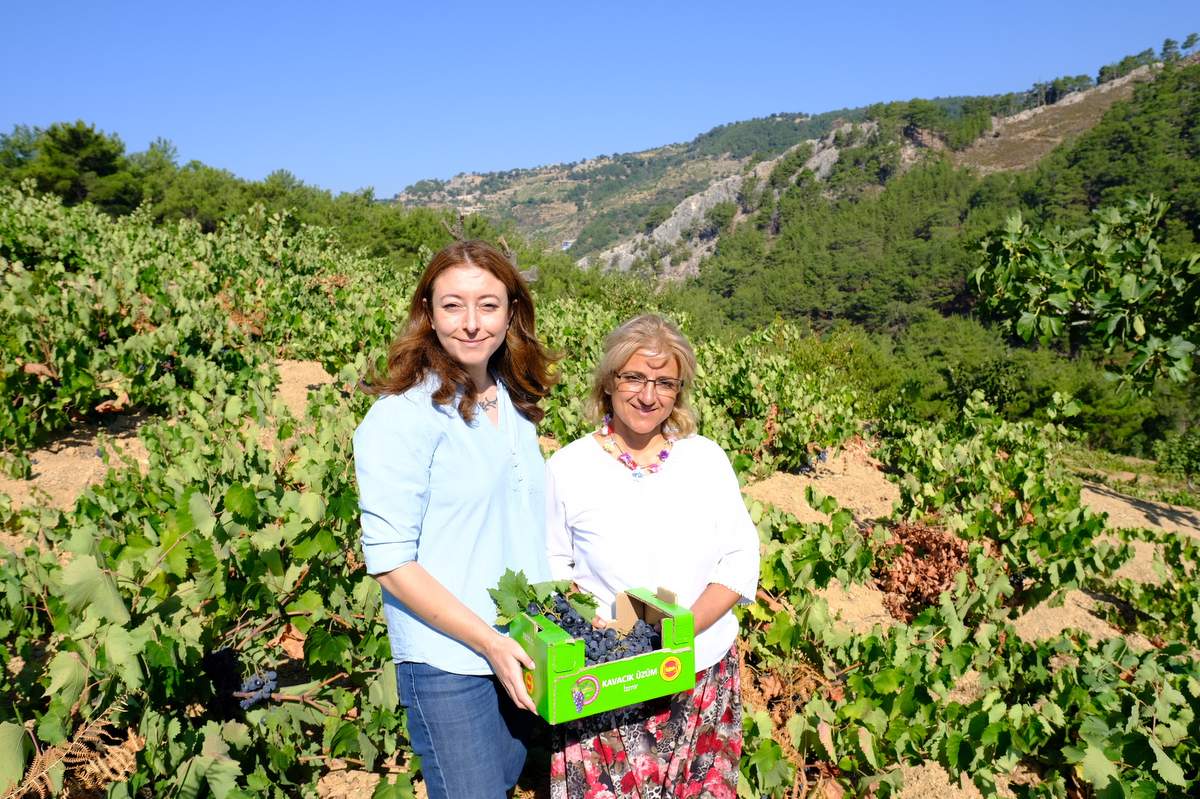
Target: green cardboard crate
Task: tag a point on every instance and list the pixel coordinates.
(564, 689)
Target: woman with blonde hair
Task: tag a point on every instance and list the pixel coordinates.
(451, 483)
(646, 502)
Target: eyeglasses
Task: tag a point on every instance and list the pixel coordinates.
(636, 381)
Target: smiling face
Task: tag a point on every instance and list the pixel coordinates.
(470, 312)
(638, 415)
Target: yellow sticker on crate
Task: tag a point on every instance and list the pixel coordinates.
(670, 669)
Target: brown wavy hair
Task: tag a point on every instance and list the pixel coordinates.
(521, 362)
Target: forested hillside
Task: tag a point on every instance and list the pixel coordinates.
(891, 249)
(876, 242)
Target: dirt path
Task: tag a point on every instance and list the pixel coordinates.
(64, 468)
(1079, 609)
(930, 781)
(856, 480)
(1130, 512)
(1126, 511)
(852, 476)
(296, 379)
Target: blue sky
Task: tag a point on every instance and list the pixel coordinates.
(384, 94)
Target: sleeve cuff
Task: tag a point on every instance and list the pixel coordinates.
(383, 558)
(746, 591)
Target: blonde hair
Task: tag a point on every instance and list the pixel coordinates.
(646, 333)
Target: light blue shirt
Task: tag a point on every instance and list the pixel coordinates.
(466, 501)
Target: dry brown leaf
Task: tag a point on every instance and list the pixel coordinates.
(825, 733)
(116, 405)
(41, 370)
(112, 764)
(771, 686)
(291, 641)
(830, 789)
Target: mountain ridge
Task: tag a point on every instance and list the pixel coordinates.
(674, 249)
(599, 208)
(558, 202)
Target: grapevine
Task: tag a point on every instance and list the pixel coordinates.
(182, 585)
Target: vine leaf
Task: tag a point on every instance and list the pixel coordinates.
(312, 506)
(212, 767)
(514, 592)
(1096, 767)
(1167, 768)
(67, 678)
(400, 789)
(584, 604)
(291, 641)
(85, 585)
(12, 754)
(240, 499)
(122, 648)
(887, 681)
(511, 595)
(201, 513)
(866, 745)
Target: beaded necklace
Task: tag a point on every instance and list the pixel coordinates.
(610, 445)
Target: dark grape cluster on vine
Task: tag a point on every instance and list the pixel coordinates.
(258, 689)
(600, 646)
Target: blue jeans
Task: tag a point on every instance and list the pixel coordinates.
(466, 730)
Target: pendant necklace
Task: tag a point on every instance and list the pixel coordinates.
(610, 445)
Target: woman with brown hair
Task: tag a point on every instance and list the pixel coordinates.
(451, 487)
(646, 502)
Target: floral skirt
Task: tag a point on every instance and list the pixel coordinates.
(686, 745)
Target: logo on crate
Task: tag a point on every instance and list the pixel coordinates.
(587, 688)
(670, 668)
(529, 681)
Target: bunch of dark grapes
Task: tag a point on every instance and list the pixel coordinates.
(600, 646)
(257, 689)
(641, 639)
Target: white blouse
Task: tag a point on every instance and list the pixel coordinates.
(680, 528)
